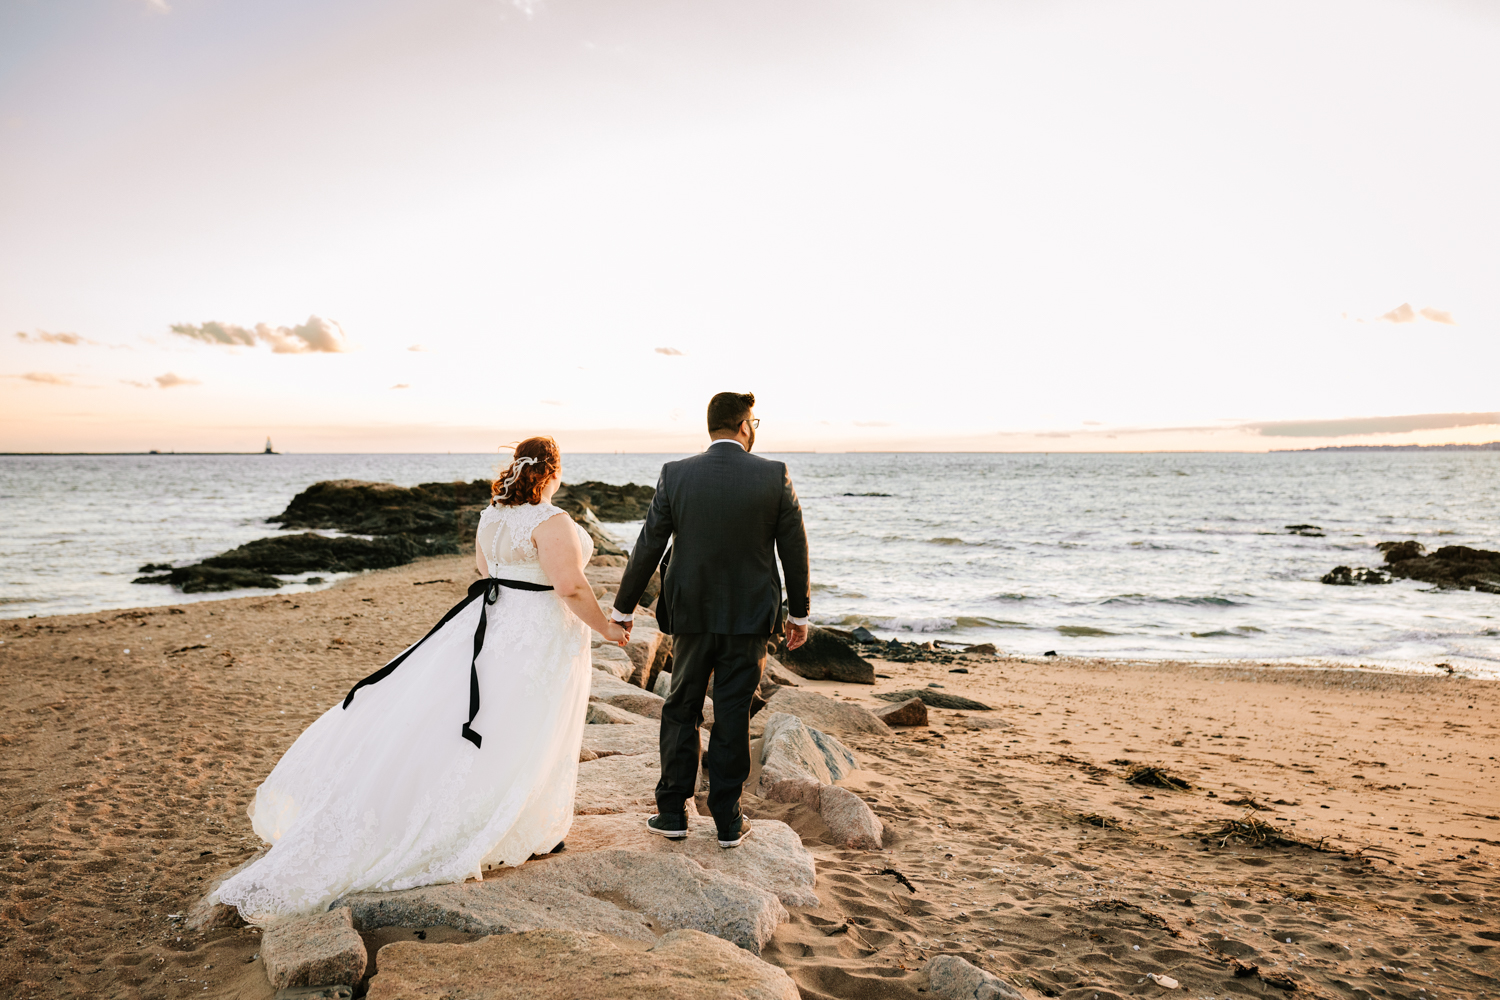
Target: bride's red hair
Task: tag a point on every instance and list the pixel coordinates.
(521, 482)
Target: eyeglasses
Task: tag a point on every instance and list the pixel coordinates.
(754, 422)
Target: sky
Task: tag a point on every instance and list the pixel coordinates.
(903, 224)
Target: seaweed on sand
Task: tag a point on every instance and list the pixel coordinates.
(1155, 776)
(1101, 821)
(1252, 832)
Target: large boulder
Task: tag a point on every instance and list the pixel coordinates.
(911, 712)
(642, 703)
(935, 699)
(566, 964)
(953, 978)
(826, 714)
(771, 858)
(319, 950)
(826, 656)
(1451, 567)
(617, 783)
(648, 650)
(642, 738)
(602, 713)
(252, 564)
(628, 894)
(851, 822)
(612, 660)
(606, 501)
(364, 508)
(793, 752)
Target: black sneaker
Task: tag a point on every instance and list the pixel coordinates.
(735, 835)
(674, 826)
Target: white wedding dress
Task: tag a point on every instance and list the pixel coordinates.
(387, 794)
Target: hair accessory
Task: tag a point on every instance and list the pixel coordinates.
(516, 467)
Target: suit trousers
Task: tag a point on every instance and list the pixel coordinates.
(735, 663)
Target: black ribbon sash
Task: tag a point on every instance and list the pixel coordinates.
(489, 589)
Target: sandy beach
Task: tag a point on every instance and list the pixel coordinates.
(133, 741)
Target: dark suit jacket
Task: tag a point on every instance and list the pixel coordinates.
(731, 513)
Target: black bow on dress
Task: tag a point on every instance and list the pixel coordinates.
(489, 589)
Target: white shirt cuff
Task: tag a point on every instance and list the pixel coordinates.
(804, 622)
(615, 615)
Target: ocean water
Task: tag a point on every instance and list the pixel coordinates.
(1139, 556)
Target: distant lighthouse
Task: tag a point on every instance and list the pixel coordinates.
(269, 450)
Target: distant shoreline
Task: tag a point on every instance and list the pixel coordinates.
(1490, 446)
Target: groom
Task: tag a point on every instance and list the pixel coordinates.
(732, 514)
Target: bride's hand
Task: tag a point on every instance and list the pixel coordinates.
(615, 634)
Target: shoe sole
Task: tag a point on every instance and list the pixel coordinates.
(669, 834)
(726, 844)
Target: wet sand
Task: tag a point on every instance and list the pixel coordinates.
(126, 776)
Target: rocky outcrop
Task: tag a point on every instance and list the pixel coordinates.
(567, 964)
(830, 716)
(314, 951)
(826, 656)
(644, 737)
(606, 501)
(612, 660)
(607, 688)
(952, 978)
(251, 564)
(365, 508)
(935, 699)
(912, 712)
(1451, 567)
(772, 857)
(629, 894)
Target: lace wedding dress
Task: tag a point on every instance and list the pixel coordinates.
(388, 794)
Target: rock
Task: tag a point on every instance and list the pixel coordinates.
(617, 783)
(826, 714)
(1401, 551)
(952, 978)
(912, 712)
(850, 819)
(863, 634)
(251, 564)
(826, 656)
(607, 502)
(585, 755)
(1343, 576)
(647, 649)
(644, 737)
(1451, 567)
(314, 951)
(612, 660)
(604, 542)
(778, 674)
(771, 858)
(793, 754)
(640, 703)
(662, 685)
(365, 508)
(935, 699)
(602, 713)
(982, 722)
(566, 964)
(1164, 981)
(655, 892)
(987, 648)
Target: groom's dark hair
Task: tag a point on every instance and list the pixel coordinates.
(727, 409)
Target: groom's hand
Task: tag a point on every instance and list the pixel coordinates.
(796, 635)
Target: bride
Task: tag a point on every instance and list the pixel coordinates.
(461, 753)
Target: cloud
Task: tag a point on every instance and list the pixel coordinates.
(170, 379)
(45, 378)
(157, 7)
(1372, 425)
(43, 337)
(1403, 313)
(871, 423)
(1438, 315)
(401, 385)
(671, 352)
(316, 336)
(417, 347)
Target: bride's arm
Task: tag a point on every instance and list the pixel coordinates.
(561, 557)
